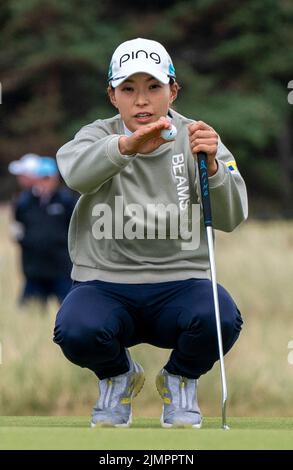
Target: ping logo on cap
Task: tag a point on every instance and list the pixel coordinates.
(141, 54)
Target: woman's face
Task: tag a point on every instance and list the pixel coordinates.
(142, 99)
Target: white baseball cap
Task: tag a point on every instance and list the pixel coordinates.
(27, 165)
(140, 55)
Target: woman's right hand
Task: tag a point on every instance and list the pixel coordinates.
(146, 139)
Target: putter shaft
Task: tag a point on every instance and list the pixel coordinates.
(207, 215)
(209, 231)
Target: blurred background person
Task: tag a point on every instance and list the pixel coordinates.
(42, 213)
(25, 170)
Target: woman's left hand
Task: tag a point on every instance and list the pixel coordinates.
(204, 138)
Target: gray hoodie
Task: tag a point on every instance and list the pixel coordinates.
(139, 218)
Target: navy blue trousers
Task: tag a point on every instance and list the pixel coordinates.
(98, 320)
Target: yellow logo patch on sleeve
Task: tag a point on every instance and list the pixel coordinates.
(232, 166)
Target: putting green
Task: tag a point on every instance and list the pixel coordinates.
(40, 432)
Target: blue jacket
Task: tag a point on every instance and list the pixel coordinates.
(44, 241)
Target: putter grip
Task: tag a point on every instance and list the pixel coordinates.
(204, 187)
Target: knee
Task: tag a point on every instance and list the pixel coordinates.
(80, 338)
(202, 322)
(230, 316)
(71, 338)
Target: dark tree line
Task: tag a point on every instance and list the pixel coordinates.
(233, 62)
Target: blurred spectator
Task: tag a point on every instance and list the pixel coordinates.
(25, 170)
(42, 213)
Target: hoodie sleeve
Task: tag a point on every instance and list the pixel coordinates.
(227, 192)
(90, 159)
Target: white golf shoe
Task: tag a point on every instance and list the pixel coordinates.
(179, 394)
(114, 406)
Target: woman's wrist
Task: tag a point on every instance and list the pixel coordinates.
(123, 147)
(212, 168)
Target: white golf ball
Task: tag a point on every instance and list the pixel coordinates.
(169, 134)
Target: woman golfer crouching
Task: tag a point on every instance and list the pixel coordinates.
(138, 243)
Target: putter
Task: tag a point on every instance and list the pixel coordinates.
(207, 215)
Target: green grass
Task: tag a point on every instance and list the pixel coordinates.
(255, 264)
(146, 434)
